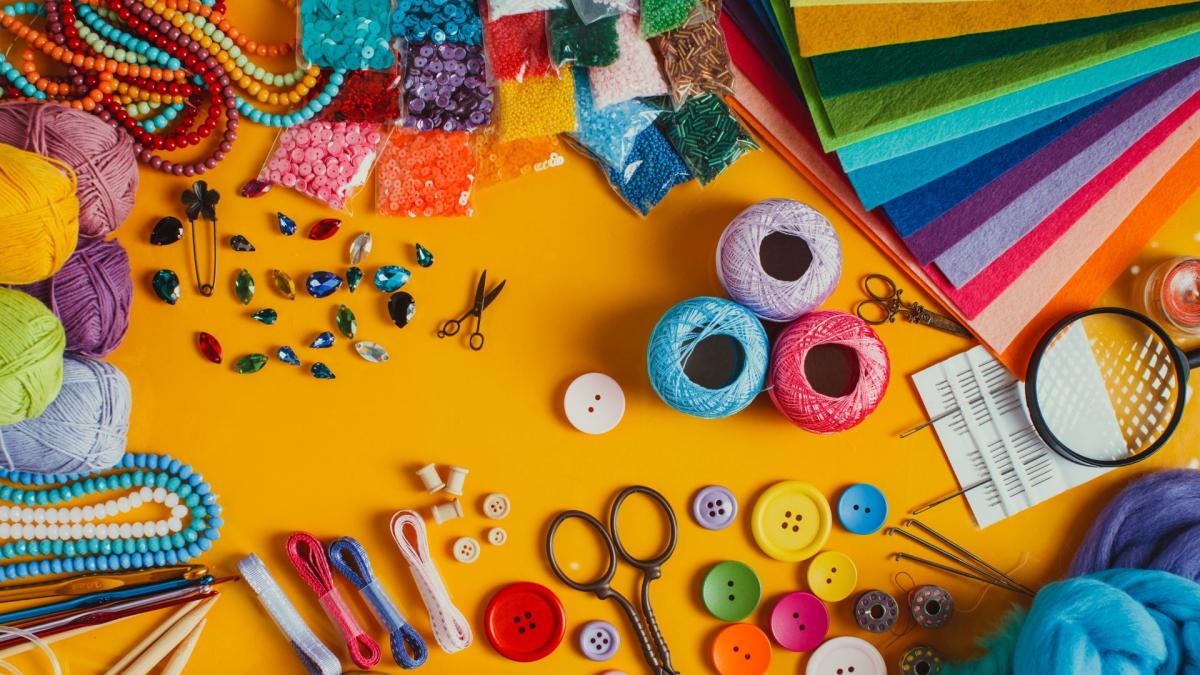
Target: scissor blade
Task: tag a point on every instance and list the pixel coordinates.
(479, 295)
(494, 292)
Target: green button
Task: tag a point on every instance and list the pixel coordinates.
(731, 591)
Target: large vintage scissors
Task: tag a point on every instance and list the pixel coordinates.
(883, 305)
(482, 300)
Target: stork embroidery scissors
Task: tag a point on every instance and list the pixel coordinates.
(482, 300)
(656, 654)
(886, 306)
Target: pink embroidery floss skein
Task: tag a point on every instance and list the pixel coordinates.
(829, 371)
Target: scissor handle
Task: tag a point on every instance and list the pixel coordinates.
(652, 625)
(476, 344)
(450, 327)
(652, 567)
(600, 585)
(890, 291)
(888, 316)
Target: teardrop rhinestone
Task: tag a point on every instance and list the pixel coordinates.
(424, 257)
(360, 248)
(209, 347)
(250, 363)
(166, 286)
(322, 372)
(401, 307)
(239, 243)
(346, 322)
(288, 356)
(283, 283)
(244, 286)
(166, 231)
(267, 316)
(286, 225)
(323, 341)
(255, 188)
(354, 277)
(391, 278)
(324, 229)
(371, 351)
(323, 284)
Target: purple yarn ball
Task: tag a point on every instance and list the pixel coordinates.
(92, 295)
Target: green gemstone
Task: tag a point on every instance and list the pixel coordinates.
(267, 316)
(346, 322)
(166, 286)
(354, 276)
(284, 284)
(244, 286)
(250, 363)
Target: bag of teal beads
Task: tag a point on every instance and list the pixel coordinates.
(345, 34)
(707, 135)
(650, 171)
(610, 132)
(329, 161)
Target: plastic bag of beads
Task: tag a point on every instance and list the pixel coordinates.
(498, 9)
(660, 16)
(446, 87)
(328, 161)
(497, 162)
(517, 47)
(651, 170)
(594, 10)
(345, 34)
(609, 132)
(696, 59)
(539, 106)
(437, 21)
(582, 44)
(707, 135)
(425, 173)
(635, 73)
(367, 96)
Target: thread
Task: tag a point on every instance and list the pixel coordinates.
(92, 295)
(31, 355)
(780, 259)
(40, 215)
(1171, 294)
(101, 155)
(841, 344)
(708, 357)
(84, 429)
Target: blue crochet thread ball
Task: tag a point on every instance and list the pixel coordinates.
(708, 357)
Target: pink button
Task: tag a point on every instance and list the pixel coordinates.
(799, 622)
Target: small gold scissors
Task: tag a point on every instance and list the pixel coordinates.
(884, 307)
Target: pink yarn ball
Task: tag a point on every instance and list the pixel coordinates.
(100, 154)
(795, 396)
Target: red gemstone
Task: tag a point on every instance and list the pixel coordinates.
(255, 188)
(209, 347)
(324, 229)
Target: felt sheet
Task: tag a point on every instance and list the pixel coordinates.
(977, 231)
(845, 72)
(839, 28)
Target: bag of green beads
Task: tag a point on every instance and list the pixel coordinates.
(660, 16)
(573, 42)
(707, 136)
(345, 34)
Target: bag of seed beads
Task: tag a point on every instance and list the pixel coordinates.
(696, 59)
(328, 161)
(706, 135)
(539, 106)
(573, 42)
(660, 16)
(594, 10)
(517, 47)
(437, 21)
(368, 96)
(345, 34)
(498, 9)
(635, 73)
(446, 87)
(650, 171)
(608, 132)
(425, 173)
(497, 162)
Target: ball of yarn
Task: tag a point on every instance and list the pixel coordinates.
(779, 258)
(40, 215)
(1152, 524)
(31, 356)
(846, 341)
(101, 155)
(686, 336)
(84, 429)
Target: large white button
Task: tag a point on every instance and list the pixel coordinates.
(594, 403)
(495, 506)
(466, 550)
(843, 655)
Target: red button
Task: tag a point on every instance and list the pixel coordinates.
(524, 621)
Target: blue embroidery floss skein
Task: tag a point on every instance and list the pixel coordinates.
(708, 357)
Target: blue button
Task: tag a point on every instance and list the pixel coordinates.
(862, 508)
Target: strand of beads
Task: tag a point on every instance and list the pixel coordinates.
(50, 536)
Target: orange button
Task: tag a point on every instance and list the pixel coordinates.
(741, 649)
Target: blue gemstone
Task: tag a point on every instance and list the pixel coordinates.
(323, 341)
(288, 356)
(391, 278)
(322, 371)
(424, 257)
(286, 225)
(323, 284)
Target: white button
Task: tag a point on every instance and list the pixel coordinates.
(594, 403)
(466, 550)
(497, 536)
(846, 655)
(495, 506)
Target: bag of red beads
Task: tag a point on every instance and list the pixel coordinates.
(517, 47)
(497, 162)
(425, 173)
(367, 96)
(328, 161)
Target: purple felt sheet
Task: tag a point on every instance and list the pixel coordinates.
(967, 238)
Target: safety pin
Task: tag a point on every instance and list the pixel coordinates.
(951, 556)
(200, 202)
(951, 570)
(971, 556)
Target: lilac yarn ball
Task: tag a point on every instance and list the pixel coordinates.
(92, 295)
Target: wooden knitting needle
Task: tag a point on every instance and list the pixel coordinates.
(50, 639)
(167, 641)
(154, 635)
(180, 658)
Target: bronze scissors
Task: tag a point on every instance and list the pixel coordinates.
(482, 300)
(885, 304)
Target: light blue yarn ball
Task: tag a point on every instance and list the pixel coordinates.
(675, 338)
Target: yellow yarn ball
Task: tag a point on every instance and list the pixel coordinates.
(32, 340)
(39, 216)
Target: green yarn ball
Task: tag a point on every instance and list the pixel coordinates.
(31, 356)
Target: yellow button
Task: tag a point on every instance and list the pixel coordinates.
(791, 521)
(832, 576)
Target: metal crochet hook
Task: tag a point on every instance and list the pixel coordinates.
(982, 573)
(888, 305)
(913, 522)
(951, 570)
(201, 202)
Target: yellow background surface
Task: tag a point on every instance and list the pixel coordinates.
(587, 280)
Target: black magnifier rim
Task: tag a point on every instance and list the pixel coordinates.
(1035, 410)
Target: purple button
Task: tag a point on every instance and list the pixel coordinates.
(599, 640)
(799, 621)
(714, 507)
